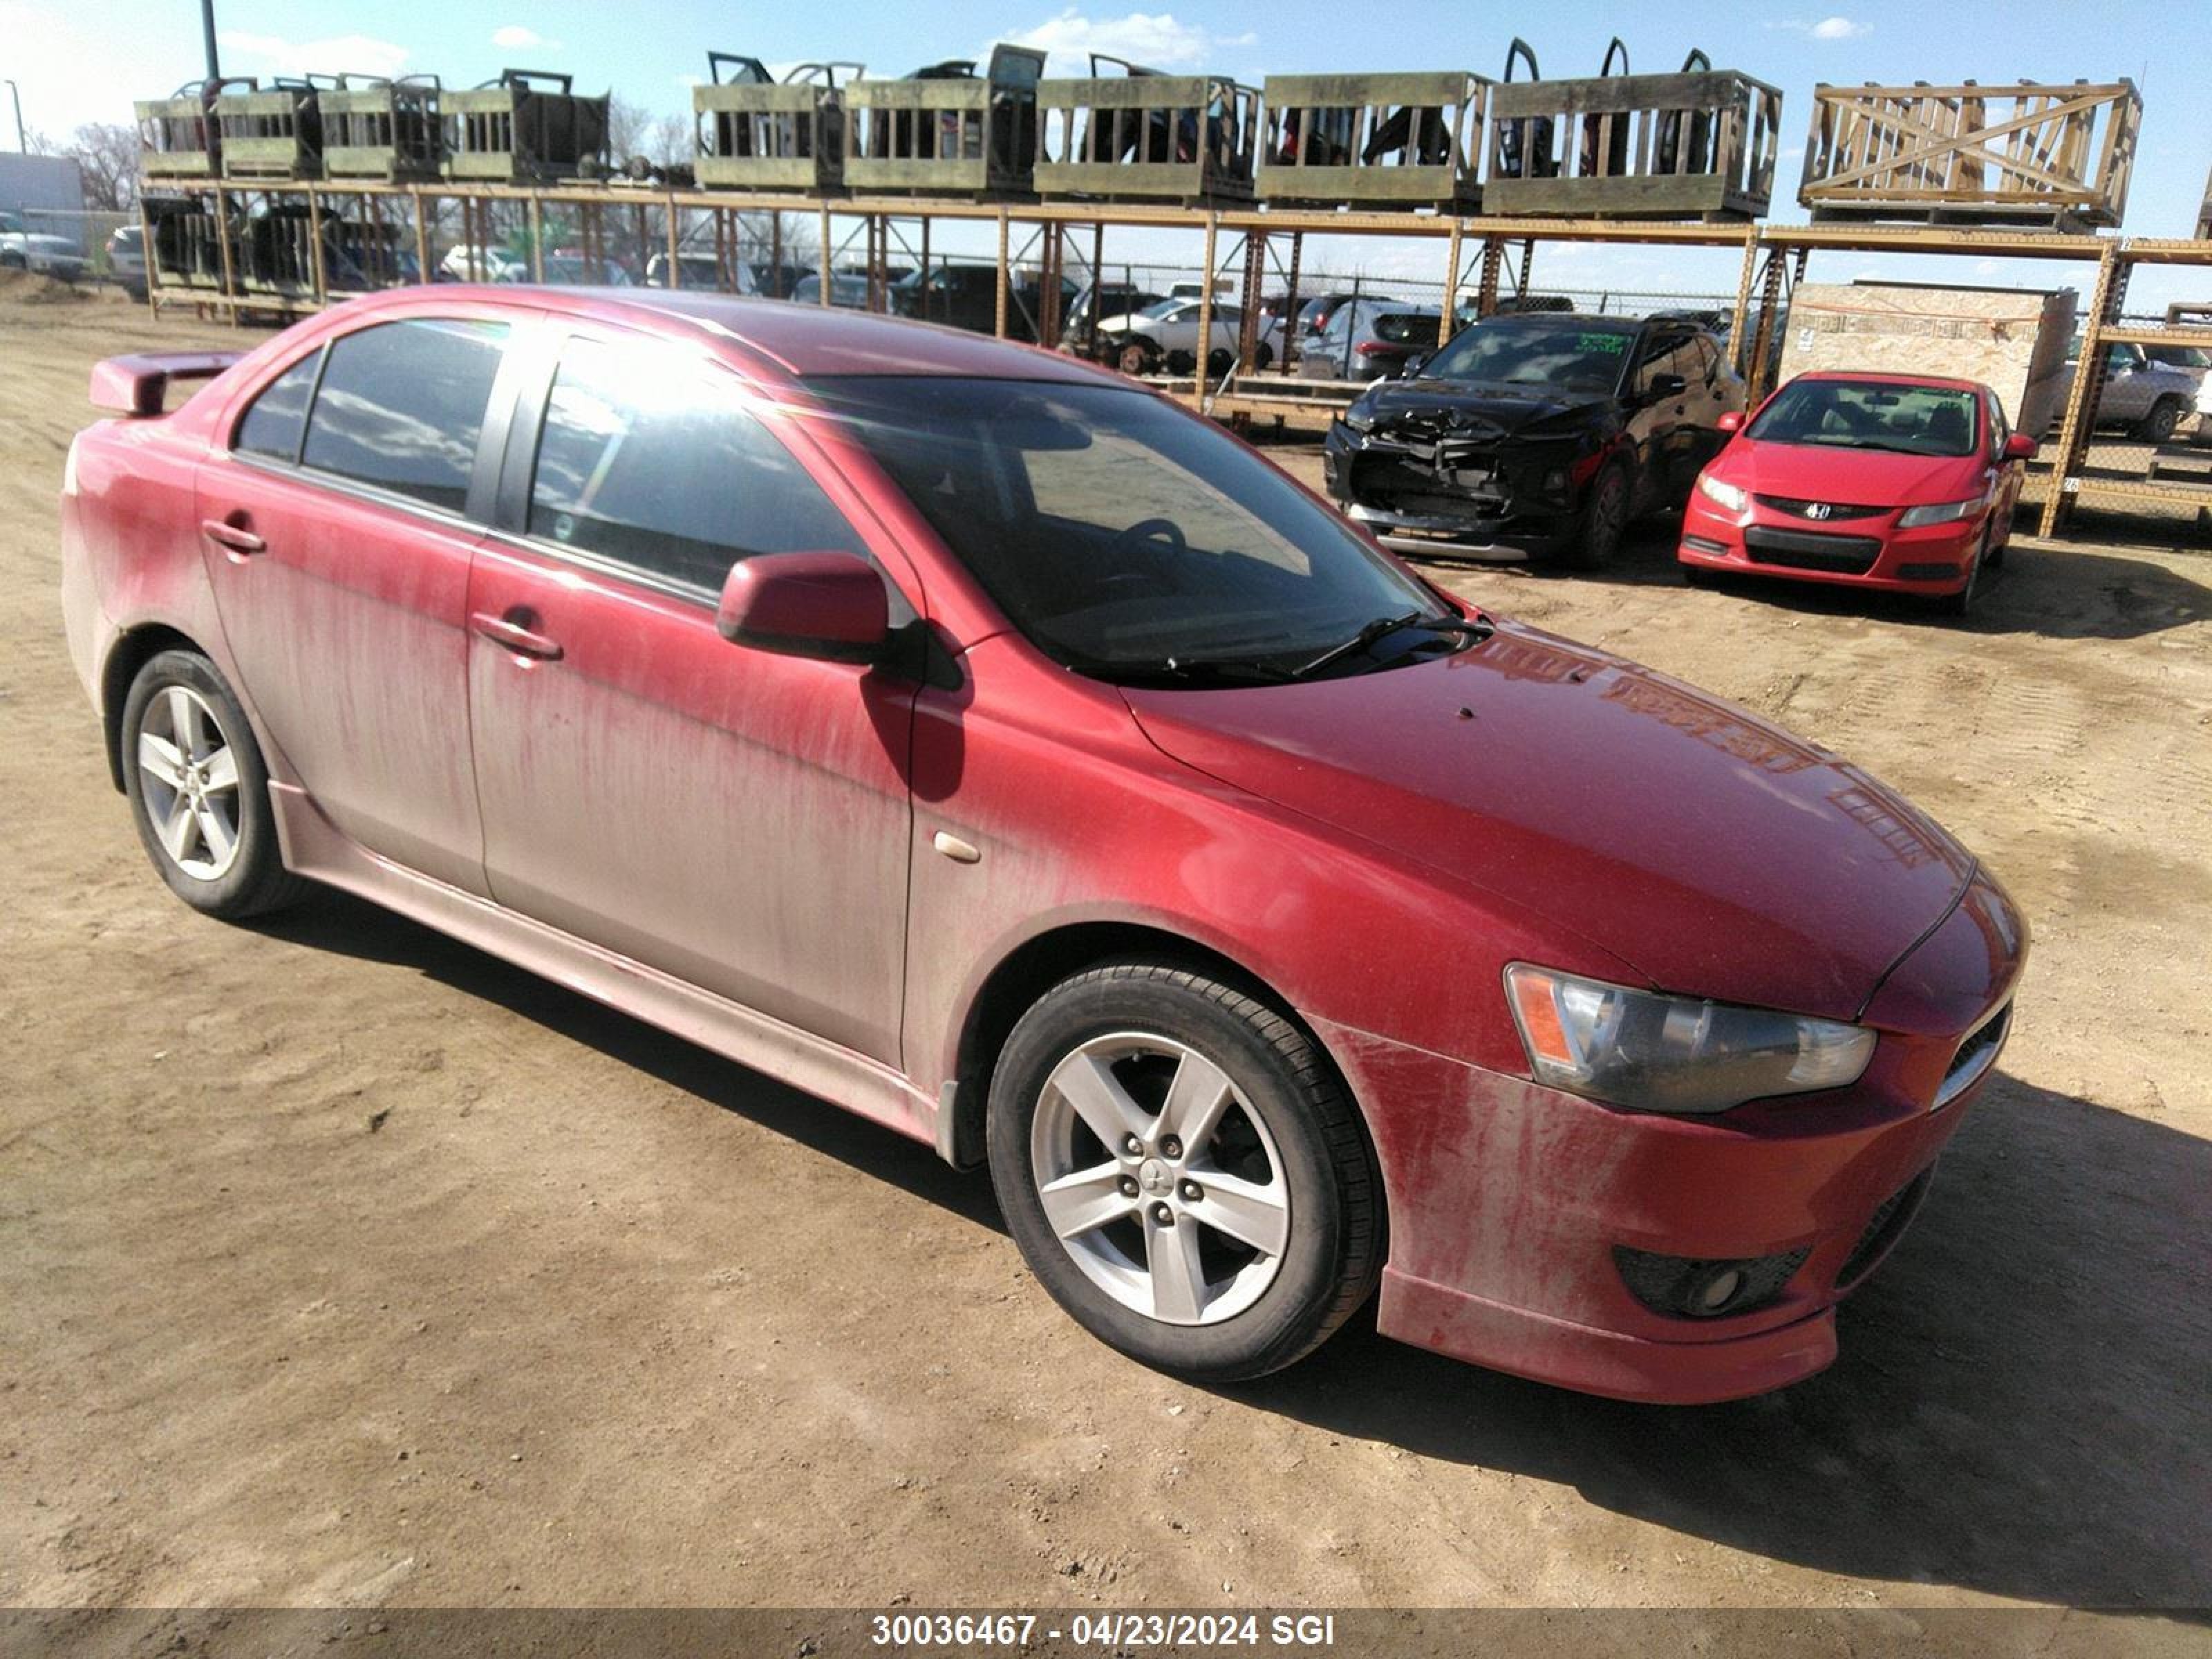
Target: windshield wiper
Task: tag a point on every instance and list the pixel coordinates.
(1375, 632)
(1219, 668)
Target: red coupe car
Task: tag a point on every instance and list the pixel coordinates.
(994, 749)
(1905, 482)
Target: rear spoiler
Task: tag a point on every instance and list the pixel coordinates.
(140, 384)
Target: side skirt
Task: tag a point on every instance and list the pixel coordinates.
(314, 847)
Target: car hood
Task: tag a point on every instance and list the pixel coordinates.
(1476, 409)
(1865, 477)
(1718, 855)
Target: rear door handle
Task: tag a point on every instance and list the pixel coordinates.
(515, 637)
(231, 536)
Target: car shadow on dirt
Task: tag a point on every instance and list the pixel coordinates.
(2019, 1409)
(2060, 593)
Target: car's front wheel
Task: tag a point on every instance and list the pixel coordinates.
(1182, 1171)
(199, 791)
(2164, 419)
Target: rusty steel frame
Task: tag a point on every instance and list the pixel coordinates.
(1774, 258)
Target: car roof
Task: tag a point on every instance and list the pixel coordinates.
(1876, 377)
(801, 340)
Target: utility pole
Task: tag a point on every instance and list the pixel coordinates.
(207, 29)
(22, 142)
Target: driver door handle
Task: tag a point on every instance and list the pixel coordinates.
(515, 637)
(234, 538)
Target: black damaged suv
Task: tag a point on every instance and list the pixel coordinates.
(1551, 430)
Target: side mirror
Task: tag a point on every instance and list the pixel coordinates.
(1414, 364)
(2020, 447)
(831, 605)
(1664, 386)
(1731, 421)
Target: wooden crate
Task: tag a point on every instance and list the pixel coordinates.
(754, 132)
(947, 130)
(177, 137)
(528, 125)
(373, 128)
(1141, 135)
(186, 248)
(2051, 155)
(272, 133)
(2012, 340)
(1406, 140)
(1699, 145)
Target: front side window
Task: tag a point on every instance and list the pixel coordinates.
(277, 419)
(1669, 354)
(402, 405)
(654, 463)
(1122, 538)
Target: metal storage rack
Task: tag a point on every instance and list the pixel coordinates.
(375, 128)
(528, 125)
(274, 132)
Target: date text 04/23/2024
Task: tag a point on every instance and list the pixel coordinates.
(1106, 1630)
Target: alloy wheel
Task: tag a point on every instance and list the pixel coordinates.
(1160, 1178)
(189, 782)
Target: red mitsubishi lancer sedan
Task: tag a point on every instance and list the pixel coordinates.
(1902, 483)
(992, 747)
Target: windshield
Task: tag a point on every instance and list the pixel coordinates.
(1161, 307)
(1123, 537)
(1914, 419)
(1564, 353)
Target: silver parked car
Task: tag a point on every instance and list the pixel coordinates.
(2149, 395)
(1369, 340)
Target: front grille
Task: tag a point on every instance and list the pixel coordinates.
(1827, 512)
(1883, 1228)
(1677, 1285)
(1801, 549)
(1975, 1056)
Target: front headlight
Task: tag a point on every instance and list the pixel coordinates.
(1361, 416)
(1727, 495)
(1662, 1053)
(1942, 511)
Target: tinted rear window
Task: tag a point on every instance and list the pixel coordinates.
(402, 405)
(1404, 328)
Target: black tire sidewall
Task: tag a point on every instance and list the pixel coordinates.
(259, 871)
(1284, 1323)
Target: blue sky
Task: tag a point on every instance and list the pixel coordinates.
(79, 60)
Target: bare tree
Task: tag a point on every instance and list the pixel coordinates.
(107, 153)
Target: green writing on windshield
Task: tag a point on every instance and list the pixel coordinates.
(1615, 343)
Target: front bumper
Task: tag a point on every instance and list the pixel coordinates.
(1509, 1202)
(1870, 552)
(1509, 496)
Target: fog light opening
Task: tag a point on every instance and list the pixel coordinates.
(1714, 1291)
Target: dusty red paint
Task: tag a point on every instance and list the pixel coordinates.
(738, 844)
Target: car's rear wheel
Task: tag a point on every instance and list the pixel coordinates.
(1182, 1171)
(1137, 356)
(2164, 419)
(199, 791)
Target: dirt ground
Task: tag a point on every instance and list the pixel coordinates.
(341, 1265)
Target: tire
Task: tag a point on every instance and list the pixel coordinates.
(1262, 358)
(1960, 605)
(1594, 540)
(1286, 1163)
(183, 829)
(2158, 425)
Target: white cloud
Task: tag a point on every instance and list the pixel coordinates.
(1839, 28)
(1156, 40)
(513, 37)
(273, 54)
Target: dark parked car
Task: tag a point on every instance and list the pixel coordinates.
(1552, 430)
(966, 296)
